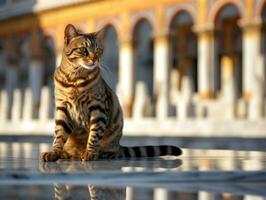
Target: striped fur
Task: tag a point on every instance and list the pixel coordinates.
(89, 119)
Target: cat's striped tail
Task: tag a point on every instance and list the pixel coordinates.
(149, 151)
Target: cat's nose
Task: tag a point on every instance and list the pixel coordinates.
(92, 56)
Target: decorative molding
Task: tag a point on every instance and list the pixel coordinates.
(173, 10)
(219, 4)
(136, 17)
(113, 21)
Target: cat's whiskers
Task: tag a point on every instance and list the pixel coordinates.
(107, 74)
(105, 68)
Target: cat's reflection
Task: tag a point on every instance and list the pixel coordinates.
(75, 191)
(79, 192)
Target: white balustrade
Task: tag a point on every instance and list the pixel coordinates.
(22, 107)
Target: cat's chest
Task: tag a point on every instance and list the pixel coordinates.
(80, 108)
(79, 111)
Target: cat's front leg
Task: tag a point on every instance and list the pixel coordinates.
(63, 128)
(98, 121)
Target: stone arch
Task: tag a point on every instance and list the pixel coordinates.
(182, 17)
(138, 17)
(143, 53)
(262, 16)
(113, 22)
(111, 55)
(49, 58)
(183, 53)
(49, 61)
(172, 12)
(228, 38)
(220, 4)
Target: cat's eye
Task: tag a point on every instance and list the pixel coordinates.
(84, 51)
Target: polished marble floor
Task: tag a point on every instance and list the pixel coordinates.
(197, 174)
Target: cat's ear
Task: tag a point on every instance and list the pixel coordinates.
(70, 32)
(100, 35)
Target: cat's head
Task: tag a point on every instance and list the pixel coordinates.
(81, 49)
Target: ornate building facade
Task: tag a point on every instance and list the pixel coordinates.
(165, 58)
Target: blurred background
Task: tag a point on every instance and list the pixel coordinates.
(187, 72)
(180, 68)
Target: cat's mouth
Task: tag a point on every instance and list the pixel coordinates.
(89, 66)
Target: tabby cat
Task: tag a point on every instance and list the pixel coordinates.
(89, 119)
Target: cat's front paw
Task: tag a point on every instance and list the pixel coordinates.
(50, 156)
(89, 155)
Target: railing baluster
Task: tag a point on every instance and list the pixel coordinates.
(3, 106)
(44, 107)
(44, 147)
(16, 107)
(27, 107)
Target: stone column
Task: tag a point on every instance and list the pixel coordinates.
(228, 81)
(161, 75)
(160, 193)
(142, 106)
(11, 72)
(206, 63)
(36, 71)
(254, 80)
(126, 76)
(228, 86)
(185, 105)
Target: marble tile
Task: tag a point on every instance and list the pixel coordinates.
(214, 171)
